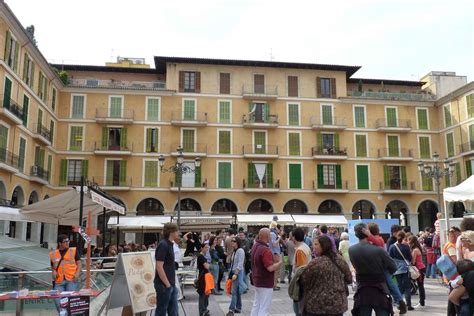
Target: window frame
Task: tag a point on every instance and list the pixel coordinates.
(231, 174)
(219, 110)
(22, 170)
(297, 86)
(354, 106)
(300, 142)
(467, 106)
(368, 174)
(195, 137)
(218, 142)
(190, 89)
(183, 100)
(144, 172)
(253, 139)
(448, 105)
(288, 174)
(298, 104)
(145, 129)
(400, 154)
(447, 147)
(366, 145)
(427, 118)
(332, 113)
(67, 170)
(83, 105)
(321, 79)
(419, 147)
(146, 109)
(230, 83)
(69, 136)
(386, 107)
(122, 104)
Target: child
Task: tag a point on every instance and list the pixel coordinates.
(463, 287)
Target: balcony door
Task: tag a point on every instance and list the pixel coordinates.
(114, 138)
(7, 92)
(188, 178)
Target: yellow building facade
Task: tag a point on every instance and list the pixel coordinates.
(271, 136)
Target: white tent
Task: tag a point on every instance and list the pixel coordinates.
(11, 214)
(462, 192)
(263, 219)
(139, 222)
(313, 220)
(62, 209)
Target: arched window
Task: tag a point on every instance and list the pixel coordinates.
(330, 207)
(150, 206)
(458, 209)
(18, 197)
(295, 207)
(33, 198)
(397, 209)
(189, 205)
(363, 209)
(427, 214)
(46, 197)
(260, 206)
(3, 195)
(224, 206)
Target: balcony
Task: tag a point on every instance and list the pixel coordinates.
(157, 85)
(332, 188)
(8, 161)
(104, 115)
(115, 150)
(332, 123)
(329, 153)
(42, 134)
(395, 96)
(254, 121)
(257, 151)
(260, 92)
(395, 154)
(397, 186)
(114, 182)
(189, 151)
(264, 187)
(467, 149)
(382, 125)
(11, 110)
(196, 119)
(39, 175)
(201, 187)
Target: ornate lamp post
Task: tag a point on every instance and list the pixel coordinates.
(179, 169)
(436, 172)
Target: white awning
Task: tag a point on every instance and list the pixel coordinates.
(313, 220)
(264, 219)
(139, 222)
(460, 193)
(11, 214)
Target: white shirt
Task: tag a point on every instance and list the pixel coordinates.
(178, 257)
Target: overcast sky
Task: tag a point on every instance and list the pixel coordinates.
(402, 39)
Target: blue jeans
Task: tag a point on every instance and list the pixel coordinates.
(367, 311)
(431, 271)
(404, 284)
(65, 286)
(214, 270)
(238, 287)
(393, 288)
(166, 300)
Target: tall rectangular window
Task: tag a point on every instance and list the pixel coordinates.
(11, 52)
(76, 138)
(361, 145)
(292, 86)
(470, 105)
(152, 109)
(469, 167)
(152, 135)
(426, 183)
(391, 117)
(224, 112)
(471, 137)
(329, 177)
(448, 119)
(50, 166)
(424, 145)
(189, 110)
(326, 113)
(395, 178)
(294, 172)
(325, 87)
(422, 115)
(224, 83)
(224, 175)
(116, 173)
(393, 147)
(188, 140)
(260, 146)
(26, 103)
(293, 114)
(190, 81)
(362, 177)
(77, 110)
(450, 144)
(458, 173)
(294, 144)
(151, 173)
(259, 83)
(114, 138)
(53, 100)
(74, 172)
(22, 154)
(224, 142)
(42, 87)
(39, 156)
(115, 110)
(359, 116)
(28, 70)
(7, 93)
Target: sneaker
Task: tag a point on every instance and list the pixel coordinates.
(237, 311)
(410, 308)
(217, 293)
(230, 313)
(276, 288)
(402, 307)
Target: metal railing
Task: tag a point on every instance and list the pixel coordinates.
(328, 151)
(255, 184)
(189, 148)
(329, 121)
(322, 186)
(395, 152)
(398, 123)
(41, 130)
(13, 107)
(256, 149)
(112, 181)
(105, 113)
(9, 158)
(108, 147)
(397, 184)
(251, 118)
(195, 185)
(466, 146)
(39, 172)
(400, 96)
(256, 89)
(118, 84)
(189, 117)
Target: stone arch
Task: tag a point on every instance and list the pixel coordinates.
(33, 197)
(189, 204)
(18, 196)
(397, 209)
(363, 209)
(330, 207)
(3, 192)
(150, 206)
(46, 197)
(224, 206)
(458, 209)
(260, 206)
(427, 210)
(295, 206)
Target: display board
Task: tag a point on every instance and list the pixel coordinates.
(384, 226)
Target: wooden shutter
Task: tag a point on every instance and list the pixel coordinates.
(295, 176)
(197, 177)
(424, 147)
(123, 173)
(123, 139)
(224, 83)
(148, 139)
(318, 87)
(336, 141)
(338, 177)
(63, 172)
(224, 142)
(224, 175)
(468, 168)
(422, 119)
(26, 103)
(403, 175)
(269, 173)
(85, 168)
(16, 59)
(21, 154)
(471, 137)
(458, 173)
(362, 177)
(197, 87)
(259, 83)
(320, 169)
(7, 46)
(292, 86)
(251, 175)
(333, 88)
(109, 174)
(181, 81)
(386, 177)
(7, 92)
(25, 67)
(294, 144)
(105, 138)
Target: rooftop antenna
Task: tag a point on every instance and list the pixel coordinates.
(271, 54)
(112, 54)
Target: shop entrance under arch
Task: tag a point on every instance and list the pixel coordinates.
(427, 211)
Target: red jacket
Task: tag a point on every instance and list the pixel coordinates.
(261, 259)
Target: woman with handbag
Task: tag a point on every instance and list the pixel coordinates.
(203, 268)
(417, 261)
(236, 275)
(401, 254)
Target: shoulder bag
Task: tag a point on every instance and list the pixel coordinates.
(412, 270)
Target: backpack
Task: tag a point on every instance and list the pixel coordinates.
(295, 291)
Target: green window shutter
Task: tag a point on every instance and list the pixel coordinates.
(427, 183)
(422, 118)
(3, 137)
(327, 114)
(50, 164)
(178, 179)
(294, 144)
(336, 141)
(425, 152)
(115, 107)
(37, 151)
(151, 173)
(450, 144)
(359, 113)
(386, 176)
(25, 67)
(391, 117)
(448, 120)
(63, 172)
(188, 140)
(224, 175)
(78, 106)
(123, 173)
(7, 92)
(224, 142)
(361, 145)
(293, 114)
(469, 168)
(403, 174)
(53, 100)
(153, 108)
(471, 136)
(295, 176)
(51, 129)
(22, 154)
(458, 173)
(197, 177)
(8, 47)
(470, 105)
(123, 139)
(260, 145)
(320, 176)
(362, 177)
(189, 113)
(17, 53)
(105, 138)
(26, 103)
(266, 112)
(319, 140)
(251, 175)
(75, 141)
(148, 140)
(269, 174)
(338, 177)
(393, 150)
(41, 158)
(85, 168)
(224, 112)
(109, 173)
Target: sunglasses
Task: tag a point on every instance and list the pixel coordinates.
(65, 240)
(233, 240)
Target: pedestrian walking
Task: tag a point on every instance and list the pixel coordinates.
(275, 237)
(401, 254)
(237, 274)
(203, 268)
(290, 248)
(302, 259)
(214, 264)
(417, 261)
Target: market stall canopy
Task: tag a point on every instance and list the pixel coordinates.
(264, 219)
(11, 214)
(138, 223)
(462, 192)
(204, 223)
(313, 220)
(63, 209)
